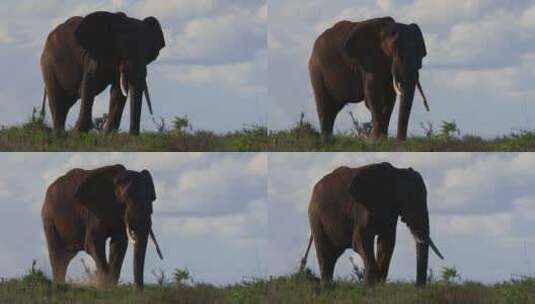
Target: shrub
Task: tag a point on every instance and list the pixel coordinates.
(35, 276)
(450, 275)
(182, 277)
(181, 124)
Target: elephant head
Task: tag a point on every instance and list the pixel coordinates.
(130, 42)
(124, 198)
(402, 48)
(402, 194)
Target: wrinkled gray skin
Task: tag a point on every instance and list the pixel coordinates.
(84, 208)
(351, 206)
(369, 61)
(83, 55)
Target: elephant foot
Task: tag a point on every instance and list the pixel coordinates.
(105, 280)
(82, 127)
(371, 279)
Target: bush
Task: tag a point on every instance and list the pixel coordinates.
(450, 275)
(34, 277)
(182, 277)
(181, 125)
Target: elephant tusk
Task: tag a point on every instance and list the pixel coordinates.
(147, 97)
(429, 242)
(435, 249)
(156, 244)
(397, 87)
(123, 85)
(130, 234)
(423, 95)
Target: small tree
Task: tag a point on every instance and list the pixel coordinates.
(182, 277)
(181, 124)
(449, 129)
(450, 275)
(35, 276)
(159, 275)
(361, 129)
(160, 124)
(357, 273)
(100, 122)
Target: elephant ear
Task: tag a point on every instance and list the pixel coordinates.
(98, 33)
(364, 43)
(413, 187)
(156, 40)
(420, 42)
(371, 187)
(96, 191)
(149, 192)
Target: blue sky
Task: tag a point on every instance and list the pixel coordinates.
(478, 72)
(211, 225)
(213, 68)
(482, 211)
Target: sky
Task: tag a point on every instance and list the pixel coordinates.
(210, 214)
(479, 71)
(482, 212)
(213, 69)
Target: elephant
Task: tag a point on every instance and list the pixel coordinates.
(83, 55)
(372, 60)
(349, 207)
(84, 208)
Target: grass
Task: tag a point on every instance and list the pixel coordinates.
(179, 135)
(35, 135)
(304, 137)
(301, 287)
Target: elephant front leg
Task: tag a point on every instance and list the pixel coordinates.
(96, 247)
(85, 119)
(385, 248)
(375, 100)
(363, 244)
(115, 113)
(117, 252)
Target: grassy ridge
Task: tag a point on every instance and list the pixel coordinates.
(304, 137)
(289, 289)
(35, 135)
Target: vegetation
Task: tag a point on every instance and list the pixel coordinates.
(448, 138)
(36, 135)
(179, 135)
(300, 287)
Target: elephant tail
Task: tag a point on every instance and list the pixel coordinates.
(304, 259)
(43, 110)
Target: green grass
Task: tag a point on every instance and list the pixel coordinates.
(34, 135)
(304, 137)
(295, 288)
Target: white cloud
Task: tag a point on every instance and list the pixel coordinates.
(174, 8)
(525, 207)
(483, 226)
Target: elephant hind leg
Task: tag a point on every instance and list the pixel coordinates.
(60, 261)
(326, 253)
(326, 105)
(59, 103)
(59, 256)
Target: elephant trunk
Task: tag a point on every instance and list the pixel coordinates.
(422, 255)
(136, 93)
(406, 97)
(140, 248)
